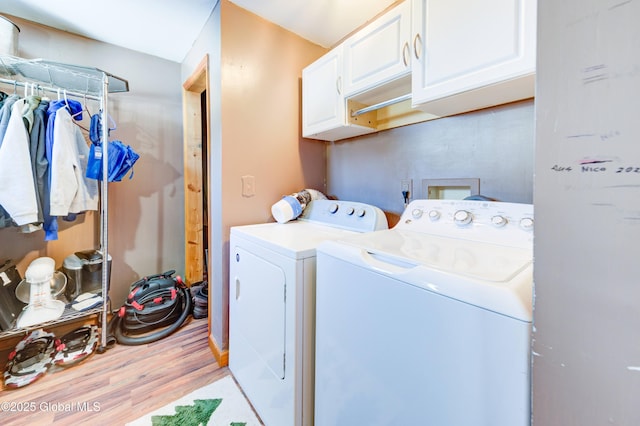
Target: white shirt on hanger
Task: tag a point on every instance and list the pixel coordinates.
(71, 191)
(17, 192)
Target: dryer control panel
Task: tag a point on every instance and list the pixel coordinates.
(486, 221)
(350, 215)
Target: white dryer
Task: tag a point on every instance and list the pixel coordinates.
(272, 305)
(428, 323)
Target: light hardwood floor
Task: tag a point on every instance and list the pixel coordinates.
(117, 386)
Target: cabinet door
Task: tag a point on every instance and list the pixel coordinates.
(323, 105)
(380, 52)
(460, 46)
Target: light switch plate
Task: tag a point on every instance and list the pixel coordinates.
(248, 186)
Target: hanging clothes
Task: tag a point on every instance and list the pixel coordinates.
(5, 219)
(50, 222)
(70, 191)
(17, 192)
(35, 124)
(39, 162)
(53, 181)
(31, 103)
(5, 114)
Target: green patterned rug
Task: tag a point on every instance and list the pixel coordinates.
(220, 403)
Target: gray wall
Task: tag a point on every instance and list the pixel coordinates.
(586, 348)
(495, 145)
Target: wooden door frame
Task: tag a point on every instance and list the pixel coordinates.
(192, 91)
(195, 263)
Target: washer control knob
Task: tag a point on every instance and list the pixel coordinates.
(526, 223)
(498, 221)
(434, 215)
(350, 211)
(462, 217)
(333, 208)
(361, 212)
(416, 213)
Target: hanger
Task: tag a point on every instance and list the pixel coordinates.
(44, 94)
(82, 127)
(84, 105)
(113, 122)
(29, 89)
(66, 102)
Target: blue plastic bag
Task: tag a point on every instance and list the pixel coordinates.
(121, 160)
(121, 157)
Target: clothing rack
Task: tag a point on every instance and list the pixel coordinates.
(40, 88)
(97, 84)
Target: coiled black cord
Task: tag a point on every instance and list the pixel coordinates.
(117, 329)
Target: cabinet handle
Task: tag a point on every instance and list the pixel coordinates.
(339, 85)
(416, 50)
(405, 53)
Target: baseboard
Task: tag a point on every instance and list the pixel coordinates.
(222, 357)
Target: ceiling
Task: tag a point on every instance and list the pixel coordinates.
(167, 29)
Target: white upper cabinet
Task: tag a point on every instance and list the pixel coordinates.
(380, 52)
(472, 54)
(448, 56)
(324, 114)
(322, 96)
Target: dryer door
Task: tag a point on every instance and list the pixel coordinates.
(257, 304)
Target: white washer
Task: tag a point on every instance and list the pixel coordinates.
(427, 323)
(272, 305)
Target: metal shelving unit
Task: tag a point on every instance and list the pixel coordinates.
(86, 83)
(68, 315)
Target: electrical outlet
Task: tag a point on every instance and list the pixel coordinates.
(406, 188)
(406, 185)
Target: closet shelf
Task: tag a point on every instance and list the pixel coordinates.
(76, 78)
(68, 315)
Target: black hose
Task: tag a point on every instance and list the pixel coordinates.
(122, 338)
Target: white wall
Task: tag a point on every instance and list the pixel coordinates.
(146, 213)
(586, 340)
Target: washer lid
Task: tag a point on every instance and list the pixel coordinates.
(480, 261)
(493, 277)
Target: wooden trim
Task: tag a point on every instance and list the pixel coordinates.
(193, 88)
(400, 114)
(222, 357)
(368, 119)
(195, 82)
(194, 215)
